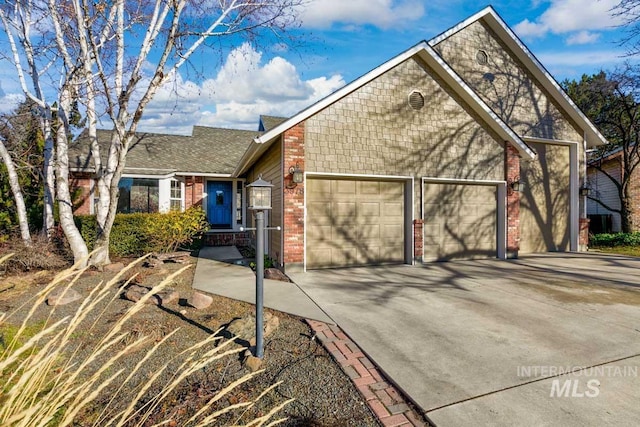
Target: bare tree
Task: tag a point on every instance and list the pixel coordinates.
(112, 57)
(24, 50)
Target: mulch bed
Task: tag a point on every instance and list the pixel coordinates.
(324, 394)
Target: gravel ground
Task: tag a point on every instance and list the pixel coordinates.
(324, 395)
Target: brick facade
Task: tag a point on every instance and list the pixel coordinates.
(293, 215)
(81, 186)
(418, 239)
(512, 174)
(194, 191)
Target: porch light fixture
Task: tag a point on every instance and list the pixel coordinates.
(296, 174)
(259, 194)
(517, 185)
(585, 191)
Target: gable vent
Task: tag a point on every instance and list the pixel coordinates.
(416, 100)
(482, 58)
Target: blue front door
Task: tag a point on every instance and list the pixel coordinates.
(219, 204)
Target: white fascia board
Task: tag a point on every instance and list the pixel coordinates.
(205, 174)
(535, 67)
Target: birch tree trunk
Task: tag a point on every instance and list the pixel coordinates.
(65, 204)
(17, 194)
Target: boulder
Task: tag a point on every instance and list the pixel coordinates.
(62, 296)
(253, 363)
(275, 274)
(136, 292)
(245, 327)
(114, 267)
(199, 300)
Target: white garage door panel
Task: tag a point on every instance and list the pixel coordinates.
(354, 222)
(460, 221)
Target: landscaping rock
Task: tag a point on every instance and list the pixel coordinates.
(275, 274)
(245, 327)
(136, 292)
(253, 363)
(166, 297)
(62, 296)
(199, 300)
(114, 267)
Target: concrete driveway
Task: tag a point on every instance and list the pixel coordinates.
(486, 342)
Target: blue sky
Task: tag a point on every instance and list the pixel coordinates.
(342, 39)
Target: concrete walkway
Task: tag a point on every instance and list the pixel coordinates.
(481, 342)
(217, 272)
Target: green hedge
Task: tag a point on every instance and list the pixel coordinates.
(139, 233)
(615, 239)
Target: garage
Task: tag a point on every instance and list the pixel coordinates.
(545, 200)
(354, 222)
(460, 221)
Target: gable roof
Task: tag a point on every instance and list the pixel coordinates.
(208, 151)
(491, 18)
(269, 122)
(435, 62)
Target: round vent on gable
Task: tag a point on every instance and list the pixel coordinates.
(416, 100)
(482, 58)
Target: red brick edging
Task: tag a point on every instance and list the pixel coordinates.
(385, 400)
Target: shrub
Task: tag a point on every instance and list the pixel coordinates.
(45, 380)
(170, 231)
(139, 233)
(615, 239)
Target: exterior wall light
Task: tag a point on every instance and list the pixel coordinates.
(585, 191)
(517, 185)
(296, 173)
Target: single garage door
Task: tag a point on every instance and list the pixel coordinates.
(544, 203)
(354, 222)
(460, 221)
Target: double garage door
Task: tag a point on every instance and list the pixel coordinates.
(354, 222)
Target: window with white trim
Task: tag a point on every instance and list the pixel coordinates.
(175, 196)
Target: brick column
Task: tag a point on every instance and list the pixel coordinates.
(512, 173)
(293, 232)
(418, 239)
(584, 234)
(193, 191)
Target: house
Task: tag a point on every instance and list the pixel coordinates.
(460, 147)
(602, 188)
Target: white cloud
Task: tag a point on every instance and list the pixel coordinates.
(567, 16)
(603, 58)
(381, 13)
(243, 89)
(583, 37)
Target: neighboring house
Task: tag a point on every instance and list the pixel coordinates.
(603, 220)
(460, 147)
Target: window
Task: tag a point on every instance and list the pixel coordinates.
(138, 195)
(175, 197)
(239, 202)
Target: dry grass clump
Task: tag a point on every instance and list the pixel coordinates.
(41, 255)
(44, 380)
